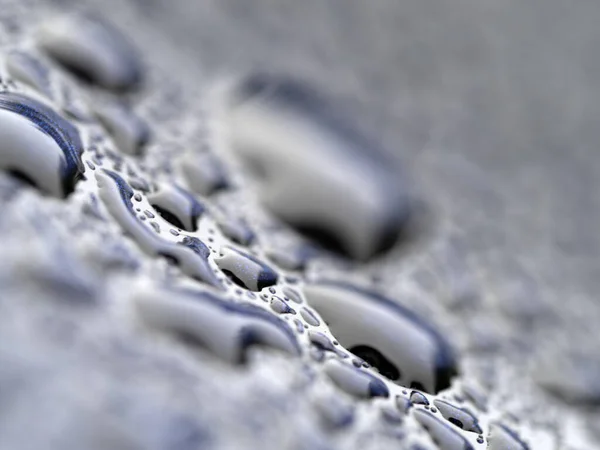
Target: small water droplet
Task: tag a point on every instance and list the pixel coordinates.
(417, 398)
(281, 307)
(245, 269)
(322, 342)
(309, 317)
(177, 206)
(460, 417)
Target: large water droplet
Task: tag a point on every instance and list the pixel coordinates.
(314, 170)
(359, 319)
(245, 270)
(39, 145)
(91, 49)
(226, 329)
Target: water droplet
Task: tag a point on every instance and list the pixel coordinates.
(191, 257)
(29, 70)
(204, 173)
(409, 347)
(313, 169)
(460, 417)
(503, 438)
(309, 317)
(245, 270)
(129, 133)
(322, 342)
(91, 49)
(226, 329)
(292, 294)
(177, 206)
(443, 435)
(38, 145)
(354, 381)
(281, 307)
(417, 398)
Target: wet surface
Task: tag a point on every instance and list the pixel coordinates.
(182, 326)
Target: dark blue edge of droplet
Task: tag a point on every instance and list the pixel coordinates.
(243, 309)
(196, 245)
(445, 359)
(125, 191)
(196, 208)
(51, 123)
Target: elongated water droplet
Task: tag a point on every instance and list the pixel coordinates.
(354, 381)
(409, 347)
(281, 307)
(309, 317)
(460, 417)
(91, 49)
(245, 270)
(177, 206)
(322, 342)
(225, 329)
(39, 145)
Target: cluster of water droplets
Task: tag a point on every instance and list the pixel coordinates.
(229, 292)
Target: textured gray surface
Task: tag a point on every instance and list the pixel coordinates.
(493, 109)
